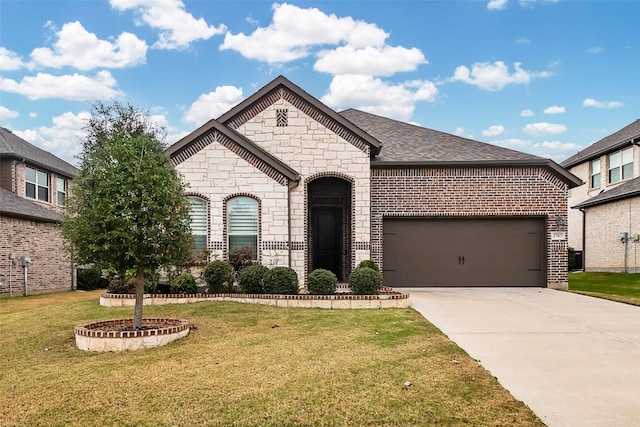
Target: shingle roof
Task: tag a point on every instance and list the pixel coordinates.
(623, 191)
(406, 145)
(15, 206)
(610, 143)
(13, 146)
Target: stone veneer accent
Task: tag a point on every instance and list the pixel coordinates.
(472, 192)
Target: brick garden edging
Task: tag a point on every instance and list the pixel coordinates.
(386, 299)
(96, 336)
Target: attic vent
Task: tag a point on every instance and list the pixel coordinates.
(282, 117)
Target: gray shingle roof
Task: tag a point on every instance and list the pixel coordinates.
(404, 142)
(610, 143)
(13, 146)
(623, 191)
(15, 206)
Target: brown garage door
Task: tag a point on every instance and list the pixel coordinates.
(464, 252)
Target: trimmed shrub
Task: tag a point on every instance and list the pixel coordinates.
(90, 279)
(369, 263)
(184, 284)
(251, 279)
(219, 277)
(242, 257)
(365, 281)
(280, 280)
(322, 282)
(127, 284)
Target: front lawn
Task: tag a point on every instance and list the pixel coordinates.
(244, 365)
(614, 286)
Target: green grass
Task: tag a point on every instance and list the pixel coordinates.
(244, 365)
(614, 286)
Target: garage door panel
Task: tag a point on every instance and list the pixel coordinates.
(466, 252)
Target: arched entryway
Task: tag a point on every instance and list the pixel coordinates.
(329, 226)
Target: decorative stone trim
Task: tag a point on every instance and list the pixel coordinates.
(387, 298)
(91, 337)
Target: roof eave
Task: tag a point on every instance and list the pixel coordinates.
(589, 203)
(58, 171)
(634, 140)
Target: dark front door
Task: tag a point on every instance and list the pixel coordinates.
(327, 240)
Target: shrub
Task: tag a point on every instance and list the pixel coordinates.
(90, 279)
(369, 263)
(251, 279)
(127, 284)
(184, 284)
(280, 280)
(219, 277)
(242, 257)
(365, 281)
(322, 282)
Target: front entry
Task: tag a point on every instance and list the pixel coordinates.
(329, 226)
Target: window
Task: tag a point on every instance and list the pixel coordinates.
(621, 165)
(61, 188)
(37, 184)
(242, 224)
(595, 173)
(199, 223)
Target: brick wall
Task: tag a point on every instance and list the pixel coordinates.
(465, 192)
(50, 269)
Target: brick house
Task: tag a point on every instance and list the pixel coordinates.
(608, 202)
(33, 187)
(308, 187)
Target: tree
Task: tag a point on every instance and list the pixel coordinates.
(127, 209)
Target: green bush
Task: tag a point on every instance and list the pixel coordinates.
(219, 277)
(127, 284)
(90, 279)
(241, 258)
(184, 284)
(250, 279)
(280, 280)
(365, 281)
(369, 263)
(322, 282)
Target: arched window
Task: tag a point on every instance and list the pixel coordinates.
(242, 224)
(199, 222)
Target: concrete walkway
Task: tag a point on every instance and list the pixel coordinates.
(574, 360)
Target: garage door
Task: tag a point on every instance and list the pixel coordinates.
(464, 252)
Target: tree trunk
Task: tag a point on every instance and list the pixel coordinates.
(137, 312)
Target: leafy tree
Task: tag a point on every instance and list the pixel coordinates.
(127, 208)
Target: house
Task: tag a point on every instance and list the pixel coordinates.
(604, 214)
(307, 187)
(34, 185)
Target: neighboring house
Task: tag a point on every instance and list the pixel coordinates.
(308, 187)
(34, 185)
(607, 205)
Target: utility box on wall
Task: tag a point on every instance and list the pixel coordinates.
(25, 260)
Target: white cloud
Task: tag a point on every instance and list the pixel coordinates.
(10, 61)
(33, 114)
(83, 50)
(178, 28)
(514, 144)
(63, 138)
(74, 87)
(370, 60)
(594, 50)
(493, 130)
(378, 97)
(497, 4)
(555, 109)
(460, 132)
(6, 113)
(213, 104)
(523, 40)
(294, 30)
(496, 76)
(555, 150)
(527, 113)
(590, 102)
(544, 128)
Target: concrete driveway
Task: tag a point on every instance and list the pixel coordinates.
(574, 360)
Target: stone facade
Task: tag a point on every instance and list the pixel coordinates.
(473, 192)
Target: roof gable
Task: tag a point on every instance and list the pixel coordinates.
(282, 88)
(625, 136)
(12, 146)
(15, 206)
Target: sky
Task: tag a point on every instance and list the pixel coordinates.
(546, 77)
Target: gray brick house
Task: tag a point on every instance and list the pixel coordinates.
(34, 185)
(308, 187)
(608, 202)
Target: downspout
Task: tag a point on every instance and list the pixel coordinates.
(584, 238)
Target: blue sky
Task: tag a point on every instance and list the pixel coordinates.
(540, 76)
